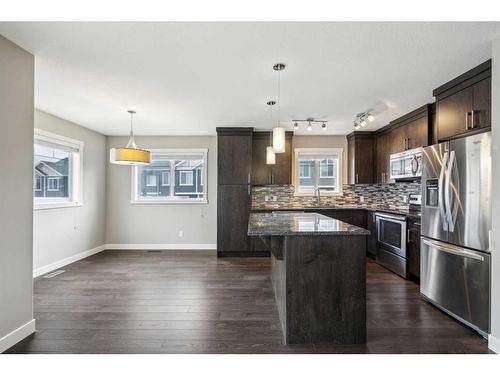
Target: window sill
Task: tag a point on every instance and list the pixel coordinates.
(169, 201)
(55, 205)
(323, 194)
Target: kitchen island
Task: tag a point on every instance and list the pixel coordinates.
(318, 275)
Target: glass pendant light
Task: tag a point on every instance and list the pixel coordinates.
(279, 132)
(270, 155)
(130, 154)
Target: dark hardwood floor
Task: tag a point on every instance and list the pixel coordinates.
(193, 302)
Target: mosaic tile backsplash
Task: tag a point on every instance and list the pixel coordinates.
(375, 196)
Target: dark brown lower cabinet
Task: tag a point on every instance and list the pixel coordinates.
(371, 239)
(233, 210)
(353, 217)
(413, 250)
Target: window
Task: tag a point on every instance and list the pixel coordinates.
(52, 183)
(327, 167)
(37, 184)
(165, 178)
(186, 178)
(181, 173)
(305, 170)
(151, 180)
(318, 168)
(57, 171)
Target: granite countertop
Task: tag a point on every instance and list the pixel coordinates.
(396, 211)
(299, 224)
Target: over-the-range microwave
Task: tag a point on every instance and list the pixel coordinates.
(406, 164)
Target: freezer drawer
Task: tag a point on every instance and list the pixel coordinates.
(457, 280)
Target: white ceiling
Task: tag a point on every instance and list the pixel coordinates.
(188, 78)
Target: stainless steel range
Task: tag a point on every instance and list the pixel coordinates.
(456, 225)
(392, 238)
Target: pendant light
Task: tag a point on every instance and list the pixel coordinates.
(130, 154)
(279, 131)
(270, 155)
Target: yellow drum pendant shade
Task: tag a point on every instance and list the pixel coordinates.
(130, 154)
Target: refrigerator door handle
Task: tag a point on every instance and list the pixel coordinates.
(442, 209)
(453, 250)
(451, 206)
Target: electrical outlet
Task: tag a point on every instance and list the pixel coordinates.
(181, 233)
(361, 199)
(274, 198)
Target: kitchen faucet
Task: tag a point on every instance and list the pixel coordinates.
(318, 195)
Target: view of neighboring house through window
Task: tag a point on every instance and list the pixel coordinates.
(56, 170)
(185, 168)
(318, 168)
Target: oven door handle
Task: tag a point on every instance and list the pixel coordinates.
(391, 217)
(453, 250)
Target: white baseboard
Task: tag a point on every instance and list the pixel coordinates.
(169, 246)
(494, 343)
(63, 262)
(17, 335)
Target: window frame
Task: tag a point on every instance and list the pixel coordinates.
(75, 175)
(335, 152)
(170, 152)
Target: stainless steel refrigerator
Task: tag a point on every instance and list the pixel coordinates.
(456, 225)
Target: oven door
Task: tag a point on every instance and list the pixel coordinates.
(391, 234)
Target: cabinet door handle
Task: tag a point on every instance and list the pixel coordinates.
(249, 189)
(472, 120)
(409, 146)
(405, 144)
(466, 120)
(357, 178)
(248, 178)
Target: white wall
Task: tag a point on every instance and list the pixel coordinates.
(494, 340)
(66, 232)
(159, 224)
(16, 203)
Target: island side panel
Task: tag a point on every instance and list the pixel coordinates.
(278, 278)
(325, 289)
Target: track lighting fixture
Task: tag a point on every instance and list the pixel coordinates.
(362, 120)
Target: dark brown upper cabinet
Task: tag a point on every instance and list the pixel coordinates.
(234, 156)
(382, 153)
(360, 156)
(277, 174)
(463, 105)
(406, 132)
(411, 130)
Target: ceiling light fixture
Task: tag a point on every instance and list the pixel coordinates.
(362, 119)
(310, 122)
(130, 154)
(270, 155)
(279, 131)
